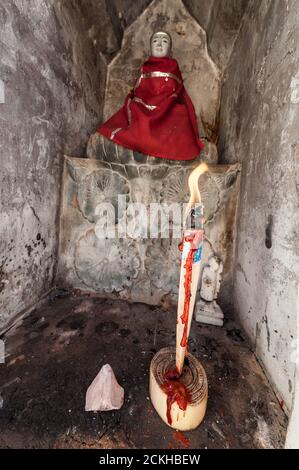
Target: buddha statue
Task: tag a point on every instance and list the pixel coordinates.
(158, 116)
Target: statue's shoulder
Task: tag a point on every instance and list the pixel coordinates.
(175, 67)
(173, 63)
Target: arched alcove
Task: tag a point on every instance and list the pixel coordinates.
(151, 180)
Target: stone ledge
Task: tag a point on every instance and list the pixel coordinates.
(139, 269)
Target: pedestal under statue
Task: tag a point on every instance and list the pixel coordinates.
(158, 116)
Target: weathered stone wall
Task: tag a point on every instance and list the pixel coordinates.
(53, 97)
(221, 20)
(259, 128)
(105, 21)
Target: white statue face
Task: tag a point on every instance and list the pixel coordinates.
(160, 45)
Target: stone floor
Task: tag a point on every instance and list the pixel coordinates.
(57, 351)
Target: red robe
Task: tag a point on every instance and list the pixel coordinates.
(158, 116)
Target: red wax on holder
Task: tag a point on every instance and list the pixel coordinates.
(176, 391)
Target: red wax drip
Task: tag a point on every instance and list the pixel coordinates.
(187, 286)
(180, 437)
(172, 374)
(176, 391)
(180, 245)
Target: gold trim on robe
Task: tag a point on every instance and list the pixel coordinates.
(148, 106)
(158, 74)
(115, 132)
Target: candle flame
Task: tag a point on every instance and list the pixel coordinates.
(195, 197)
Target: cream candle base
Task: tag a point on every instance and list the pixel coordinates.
(193, 377)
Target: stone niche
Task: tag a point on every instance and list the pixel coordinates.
(140, 268)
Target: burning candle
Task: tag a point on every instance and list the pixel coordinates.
(191, 247)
